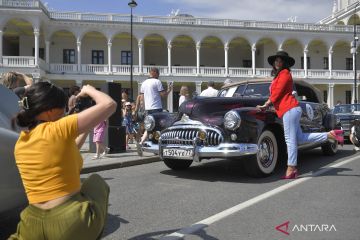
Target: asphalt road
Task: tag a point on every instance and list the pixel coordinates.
(152, 202)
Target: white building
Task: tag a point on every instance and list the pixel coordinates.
(70, 48)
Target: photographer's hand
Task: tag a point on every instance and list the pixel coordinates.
(84, 91)
(104, 108)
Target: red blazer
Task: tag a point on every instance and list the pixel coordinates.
(281, 93)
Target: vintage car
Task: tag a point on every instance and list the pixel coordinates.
(12, 194)
(231, 127)
(347, 113)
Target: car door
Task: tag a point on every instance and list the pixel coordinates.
(312, 112)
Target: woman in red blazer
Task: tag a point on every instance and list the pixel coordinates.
(287, 108)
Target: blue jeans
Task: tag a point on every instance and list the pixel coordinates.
(294, 134)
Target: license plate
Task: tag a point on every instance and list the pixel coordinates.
(178, 153)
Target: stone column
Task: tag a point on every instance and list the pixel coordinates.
(78, 48)
(226, 49)
(169, 57)
(1, 46)
(36, 35)
(47, 52)
(141, 61)
(139, 87)
(354, 88)
(109, 56)
(330, 97)
(79, 82)
(170, 98)
(253, 56)
(330, 61)
(305, 62)
(198, 46)
(198, 87)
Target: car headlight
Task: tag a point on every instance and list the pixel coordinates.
(149, 123)
(232, 120)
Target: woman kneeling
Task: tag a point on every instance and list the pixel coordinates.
(48, 158)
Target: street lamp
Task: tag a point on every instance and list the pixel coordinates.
(132, 5)
(353, 51)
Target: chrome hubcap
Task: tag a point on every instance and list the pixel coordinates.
(266, 152)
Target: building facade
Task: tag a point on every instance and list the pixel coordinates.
(70, 48)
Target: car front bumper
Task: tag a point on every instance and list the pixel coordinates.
(223, 150)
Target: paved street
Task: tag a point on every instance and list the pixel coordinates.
(151, 202)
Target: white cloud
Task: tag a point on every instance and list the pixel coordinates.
(268, 10)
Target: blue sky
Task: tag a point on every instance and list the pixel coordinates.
(267, 10)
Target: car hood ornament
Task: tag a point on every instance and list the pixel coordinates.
(185, 118)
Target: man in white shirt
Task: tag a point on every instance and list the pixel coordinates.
(210, 91)
(152, 91)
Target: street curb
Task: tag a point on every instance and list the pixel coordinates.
(114, 165)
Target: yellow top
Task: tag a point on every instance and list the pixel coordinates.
(49, 160)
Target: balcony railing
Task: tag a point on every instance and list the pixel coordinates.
(343, 74)
(349, 9)
(124, 69)
(234, 72)
(177, 20)
(103, 69)
(183, 70)
(11, 61)
(298, 73)
(94, 68)
(212, 71)
(43, 65)
(164, 70)
(314, 73)
(98, 17)
(63, 68)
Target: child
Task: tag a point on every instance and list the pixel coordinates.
(98, 139)
(128, 123)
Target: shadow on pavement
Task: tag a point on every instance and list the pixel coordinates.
(233, 171)
(113, 223)
(201, 233)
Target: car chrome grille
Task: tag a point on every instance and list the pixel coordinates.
(186, 136)
(345, 124)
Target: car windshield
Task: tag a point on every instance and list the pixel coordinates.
(247, 90)
(228, 92)
(257, 90)
(347, 108)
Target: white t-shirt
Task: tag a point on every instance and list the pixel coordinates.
(151, 89)
(181, 99)
(209, 92)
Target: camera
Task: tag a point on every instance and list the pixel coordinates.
(82, 104)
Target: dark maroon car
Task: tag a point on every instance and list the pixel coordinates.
(230, 127)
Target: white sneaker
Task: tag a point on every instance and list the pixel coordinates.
(139, 149)
(106, 151)
(97, 156)
(356, 149)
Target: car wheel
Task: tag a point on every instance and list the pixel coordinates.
(330, 148)
(176, 164)
(266, 159)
